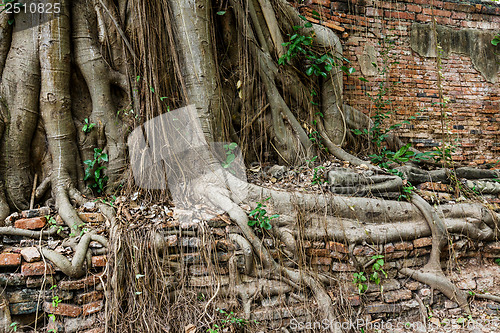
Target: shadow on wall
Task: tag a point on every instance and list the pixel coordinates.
(171, 150)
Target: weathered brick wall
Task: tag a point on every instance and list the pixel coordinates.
(35, 289)
(31, 284)
(473, 110)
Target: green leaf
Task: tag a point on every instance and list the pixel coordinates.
(221, 12)
(308, 25)
(495, 40)
(232, 145)
(310, 71)
(363, 79)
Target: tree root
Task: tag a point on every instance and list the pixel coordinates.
(221, 198)
(432, 273)
(11, 231)
(489, 297)
(109, 134)
(81, 261)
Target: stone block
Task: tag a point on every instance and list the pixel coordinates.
(31, 254)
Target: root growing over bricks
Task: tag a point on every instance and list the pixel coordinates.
(122, 75)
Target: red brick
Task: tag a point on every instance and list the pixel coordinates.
(337, 247)
(354, 300)
(89, 297)
(92, 217)
(321, 261)
(413, 8)
(370, 11)
(358, 250)
(325, 3)
(31, 224)
(82, 283)
(424, 18)
(99, 261)
(388, 248)
(397, 295)
(402, 246)
(341, 267)
(62, 309)
(458, 15)
(437, 12)
(91, 308)
(10, 259)
(333, 26)
(36, 268)
(422, 242)
(400, 15)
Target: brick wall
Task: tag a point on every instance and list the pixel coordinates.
(473, 111)
(31, 285)
(37, 291)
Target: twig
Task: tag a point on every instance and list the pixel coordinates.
(32, 201)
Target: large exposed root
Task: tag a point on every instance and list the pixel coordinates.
(432, 273)
(20, 91)
(109, 132)
(81, 260)
(55, 107)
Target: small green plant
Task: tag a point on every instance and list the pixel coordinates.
(318, 176)
(78, 226)
(443, 153)
(496, 40)
(55, 301)
(300, 45)
(311, 161)
(87, 127)
(359, 280)
(52, 223)
(377, 269)
(260, 218)
(230, 156)
(52, 317)
(406, 191)
(13, 326)
(230, 320)
(95, 170)
(497, 261)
